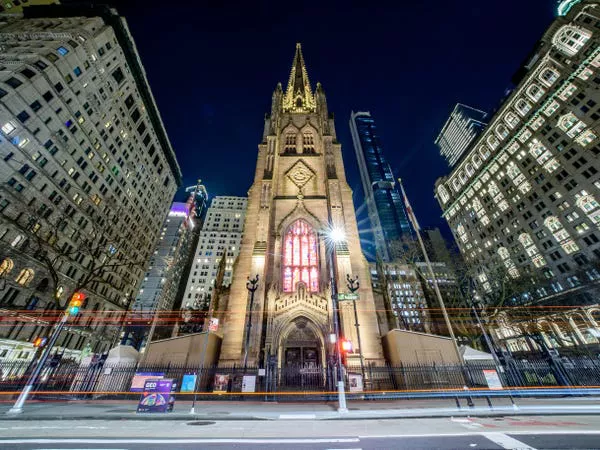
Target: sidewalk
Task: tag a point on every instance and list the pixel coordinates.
(256, 410)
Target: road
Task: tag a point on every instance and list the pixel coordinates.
(528, 432)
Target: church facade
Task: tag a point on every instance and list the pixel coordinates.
(299, 193)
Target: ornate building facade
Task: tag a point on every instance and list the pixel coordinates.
(299, 192)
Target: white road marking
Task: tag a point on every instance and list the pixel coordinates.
(298, 416)
(506, 441)
(179, 441)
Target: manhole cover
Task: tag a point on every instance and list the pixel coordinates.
(201, 423)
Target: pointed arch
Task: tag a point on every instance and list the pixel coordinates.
(300, 257)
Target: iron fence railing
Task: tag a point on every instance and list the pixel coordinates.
(71, 380)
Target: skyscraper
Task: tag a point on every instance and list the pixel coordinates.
(523, 201)
(384, 203)
(299, 192)
(87, 172)
(159, 288)
(220, 237)
(459, 131)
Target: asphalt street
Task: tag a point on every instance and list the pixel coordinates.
(464, 441)
(526, 432)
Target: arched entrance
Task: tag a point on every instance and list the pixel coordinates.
(301, 355)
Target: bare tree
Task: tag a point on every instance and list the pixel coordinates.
(82, 246)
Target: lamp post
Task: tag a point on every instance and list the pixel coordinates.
(336, 235)
(353, 286)
(252, 286)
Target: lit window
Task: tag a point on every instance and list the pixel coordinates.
(511, 119)
(549, 76)
(6, 266)
(62, 51)
(25, 277)
(570, 39)
(8, 128)
(300, 258)
(534, 92)
(523, 107)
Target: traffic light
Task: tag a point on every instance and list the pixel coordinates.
(75, 303)
(346, 346)
(40, 342)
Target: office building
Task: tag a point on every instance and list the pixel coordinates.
(387, 216)
(459, 131)
(221, 236)
(87, 173)
(524, 199)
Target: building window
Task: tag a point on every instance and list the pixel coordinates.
(308, 143)
(6, 266)
(570, 39)
(25, 277)
(534, 92)
(548, 76)
(62, 51)
(523, 107)
(290, 143)
(501, 131)
(300, 257)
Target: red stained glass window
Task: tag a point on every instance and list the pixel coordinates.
(300, 261)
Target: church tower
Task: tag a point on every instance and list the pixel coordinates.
(299, 192)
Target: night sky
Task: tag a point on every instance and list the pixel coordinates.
(213, 69)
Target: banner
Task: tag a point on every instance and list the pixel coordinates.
(356, 382)
(221, 383)
(156, 397)
(188, 384)
(492, 379)
(137, 383)
(249, 383)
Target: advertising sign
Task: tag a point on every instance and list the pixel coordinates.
(356, 382)
(137, 383)
(221, 383)
(492, 379)
(156, 397)
(188, 384)
(249, 383)
(213, 325)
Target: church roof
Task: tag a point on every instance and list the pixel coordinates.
(298, 95)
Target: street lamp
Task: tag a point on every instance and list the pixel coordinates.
(353, 285)
(252, 286)
(334, 236)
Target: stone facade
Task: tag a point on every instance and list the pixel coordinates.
(524, 199)
(87, 173)
(299, 187)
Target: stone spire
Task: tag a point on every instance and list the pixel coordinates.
(298, 95)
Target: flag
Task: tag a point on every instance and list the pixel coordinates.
(409, 210)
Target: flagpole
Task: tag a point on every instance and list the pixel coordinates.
(415, 224)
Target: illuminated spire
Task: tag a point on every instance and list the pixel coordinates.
(564, 6)
(298, 95)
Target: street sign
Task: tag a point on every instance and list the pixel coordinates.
(347, 296)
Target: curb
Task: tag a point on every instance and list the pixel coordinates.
(328, 416)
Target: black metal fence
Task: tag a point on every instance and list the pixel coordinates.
(70, 380)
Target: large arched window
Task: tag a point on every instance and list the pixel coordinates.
(300, 257)
(570, 39)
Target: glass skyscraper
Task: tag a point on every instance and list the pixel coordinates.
(384, 202)
(459, 131)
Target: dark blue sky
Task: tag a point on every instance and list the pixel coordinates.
(213, 69)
